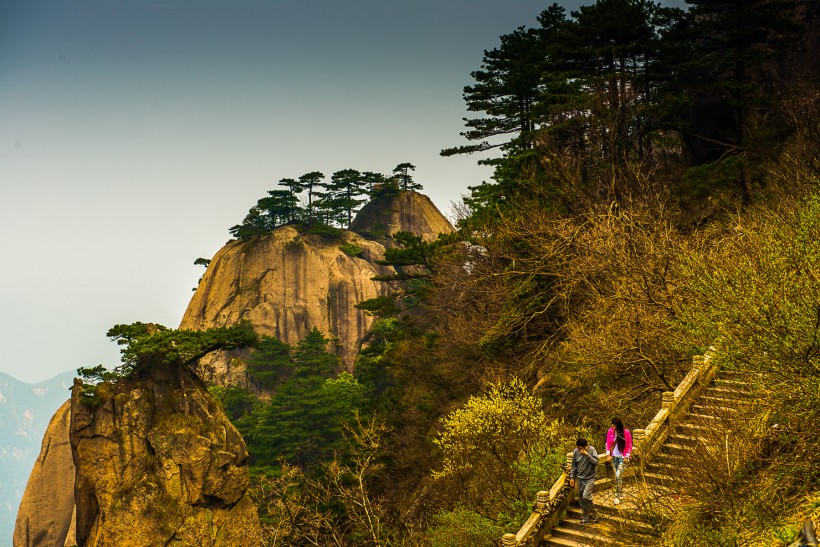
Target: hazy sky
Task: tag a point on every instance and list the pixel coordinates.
(134, 133)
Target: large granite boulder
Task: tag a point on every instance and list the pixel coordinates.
(405, 212)
(46, 512)
(158, 463)
(285, 283)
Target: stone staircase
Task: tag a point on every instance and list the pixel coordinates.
(612, 521)
(710, 417)
(704, 423)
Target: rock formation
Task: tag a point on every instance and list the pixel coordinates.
(45, 514)
(155, 461)
(406, 212)
(285, 283)
(159, 463)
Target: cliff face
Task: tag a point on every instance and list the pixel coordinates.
(285, 284)
(25, 412)
(45, 514)
(158, 462)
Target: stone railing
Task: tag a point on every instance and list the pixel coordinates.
(548, 508)
(674, 405)
(550, 505)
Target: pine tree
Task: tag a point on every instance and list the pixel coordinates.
(255, 223)
(346, 187)
(295, 187)
(506, 89)
(311, 357)
(727, 78)
(613, 46)
(311, 182)
(404, 179)
(371, 180)
(280, 207)
(271, 363)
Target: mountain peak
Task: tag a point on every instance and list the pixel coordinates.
(406, 211)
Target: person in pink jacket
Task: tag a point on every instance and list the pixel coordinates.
(618, 451)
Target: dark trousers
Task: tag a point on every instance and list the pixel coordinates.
(585, 487)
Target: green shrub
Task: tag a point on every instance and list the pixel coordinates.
(351, 249)
(295, 243)
(461, 526)
(325, 230)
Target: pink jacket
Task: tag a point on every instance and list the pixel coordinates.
(610, 442)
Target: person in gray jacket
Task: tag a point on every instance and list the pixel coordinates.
(583, 471)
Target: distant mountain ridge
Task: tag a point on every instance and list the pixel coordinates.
(25, 410)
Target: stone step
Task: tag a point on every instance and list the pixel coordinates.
(694, 428)
(720, 399)
(673, 449)
(664, 469)
(734, 384)
(706, 407)
(742, 375)
(724, 393)
(682, 459)
(708, 415)
(574, 512)
(682, 439)
(558, 542)
(588, 534)
(572, 521)
(658, 478)
(611, 517)
(615, 524)
(569, 527)
(569, 532)
(564, 542)
(606, 525)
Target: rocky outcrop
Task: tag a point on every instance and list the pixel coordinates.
(154, 460)
(285, 284)
(158, 463)
(405, 212)
(45, 514)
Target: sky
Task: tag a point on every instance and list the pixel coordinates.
(134, 133)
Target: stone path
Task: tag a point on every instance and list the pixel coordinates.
(661, 484)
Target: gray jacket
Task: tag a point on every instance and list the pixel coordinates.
(584, 467)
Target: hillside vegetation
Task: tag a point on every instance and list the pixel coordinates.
(656, 191)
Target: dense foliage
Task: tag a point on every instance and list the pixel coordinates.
(625, 82)
(655, 189)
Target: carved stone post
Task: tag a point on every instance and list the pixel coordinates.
(668, 399)
(697, 362)
(508, 540)
(541, 499)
